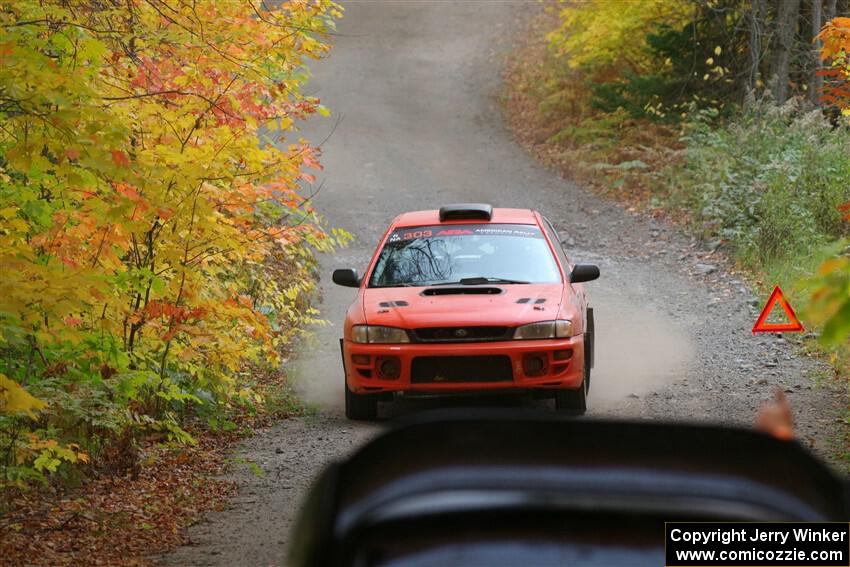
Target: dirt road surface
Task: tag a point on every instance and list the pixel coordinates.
(414, 87)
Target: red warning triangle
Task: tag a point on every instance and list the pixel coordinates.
(762, 326)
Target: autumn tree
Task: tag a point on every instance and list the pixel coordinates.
(830, 300)
(652, 58)
(157, 233)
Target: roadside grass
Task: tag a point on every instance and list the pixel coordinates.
(768, 183)
(286, 403)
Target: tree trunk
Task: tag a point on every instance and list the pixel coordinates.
(787, 15)
(757, 20)
(815, 80)
(830, 9)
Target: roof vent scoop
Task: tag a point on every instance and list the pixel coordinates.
(464, 211)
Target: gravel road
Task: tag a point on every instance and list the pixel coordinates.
(413, 87)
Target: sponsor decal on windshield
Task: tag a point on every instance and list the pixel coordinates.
(520, 230)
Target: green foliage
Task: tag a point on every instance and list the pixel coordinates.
(831, 303)
(768, 182)
(685, 70)
(652, 59)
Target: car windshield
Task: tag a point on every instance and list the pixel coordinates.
(465, 254)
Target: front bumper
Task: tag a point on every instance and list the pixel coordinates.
(362, 362)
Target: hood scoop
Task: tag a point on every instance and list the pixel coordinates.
(463, 290)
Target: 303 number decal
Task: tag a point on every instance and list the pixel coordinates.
(417, 234)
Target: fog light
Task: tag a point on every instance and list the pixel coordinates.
(389, 367)
(360, 359)
(534, 364)
(563, 354)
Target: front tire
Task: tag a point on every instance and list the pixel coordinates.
(357, 406)
(572, 402)
(360, 407)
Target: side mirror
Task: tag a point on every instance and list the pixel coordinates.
(349, 278)
(584, 273)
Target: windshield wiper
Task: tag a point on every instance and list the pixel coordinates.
(400, 284)
(478, 280)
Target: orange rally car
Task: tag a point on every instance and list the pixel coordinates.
(468, 299)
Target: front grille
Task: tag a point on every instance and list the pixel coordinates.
(449, 369)
(461, 334)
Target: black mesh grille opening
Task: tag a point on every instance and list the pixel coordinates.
(448, 369)
(461, 334)
(465, 290)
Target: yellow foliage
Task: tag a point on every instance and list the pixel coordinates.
(603, 33)
(15, 400)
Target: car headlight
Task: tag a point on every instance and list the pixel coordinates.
(376, 334)
(545, 330)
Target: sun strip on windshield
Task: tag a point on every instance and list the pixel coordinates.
(412, 233)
